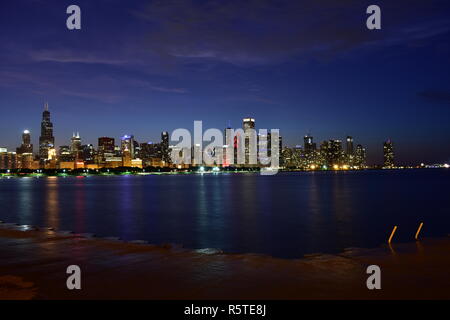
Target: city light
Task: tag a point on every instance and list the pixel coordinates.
(446, 165)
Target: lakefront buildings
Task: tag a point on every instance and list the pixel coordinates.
(128, 152)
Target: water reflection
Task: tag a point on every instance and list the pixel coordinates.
(285, 215)
(51, 202)
(25, 200)
(80, 205)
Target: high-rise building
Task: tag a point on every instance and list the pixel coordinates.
(8, 160)
(65, 154)
(248, 123)
(127, 149)
(25, 152)
(251, 148)
(105, 149)
(388, 154)
(88, 152)
(165, 152)
(75, 146)
(360, 157)
(349, 146)
(127, 144)
(332, 153)
(26, 146)
(308, 144)
(46, 140)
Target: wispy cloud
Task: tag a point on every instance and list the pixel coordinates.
(68, 56)
(265, 31)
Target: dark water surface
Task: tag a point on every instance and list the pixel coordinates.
(285, 215)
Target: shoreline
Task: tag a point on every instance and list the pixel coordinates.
(142, 172)
(33, 266)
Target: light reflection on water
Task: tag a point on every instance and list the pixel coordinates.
(286, 215)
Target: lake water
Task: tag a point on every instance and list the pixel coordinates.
(286, 215)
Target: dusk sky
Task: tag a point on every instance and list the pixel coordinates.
(141, 67)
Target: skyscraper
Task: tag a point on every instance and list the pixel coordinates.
(388, 153)
(75, 145)
(165, 155)
(251, 151)
(349, 146)
(46, 140)
(360, 157)
(26, 146)
(248, 123)
(127, 148)
(309, 145)
(105, 145)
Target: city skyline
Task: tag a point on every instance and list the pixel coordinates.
(329, 77)
(46, 141)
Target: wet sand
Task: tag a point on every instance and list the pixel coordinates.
(33, 266)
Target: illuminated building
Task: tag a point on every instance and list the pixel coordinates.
(388, 154)
(105, 145)
(88, 152)
(136, 163)
(65, 155)
(349, 146)
(25, 152)
(165, 151)
(309, 152)
(308, 145)
(127, 148)
(248, 125)
(127, 145)
(75, 146)
(26, 146)
(46, 140)
(360, 157)
(8, 160)
(50, 162)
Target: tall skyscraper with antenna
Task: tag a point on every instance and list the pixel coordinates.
(46, 140)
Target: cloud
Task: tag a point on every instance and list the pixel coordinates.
(69, 56)
(101, 88)
(257, 32)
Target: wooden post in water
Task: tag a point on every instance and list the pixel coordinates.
(418, 230)
(392, 234)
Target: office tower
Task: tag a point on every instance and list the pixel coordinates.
(127, 144)
(46, 140)
(26, 146)
(75, 145)
(248, 123)
(25, 152)
(137, 150)
(349, 146)
(105, 148)
(105, 145)
(65, 154)
(360, 157)
(127, 149)
(336, 152)
(88, 153)
(251, 148)
(308, 144)
(388, 154)
(8, 160)
(332, 153)
(165, 152)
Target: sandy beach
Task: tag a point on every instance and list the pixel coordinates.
(33, 265)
